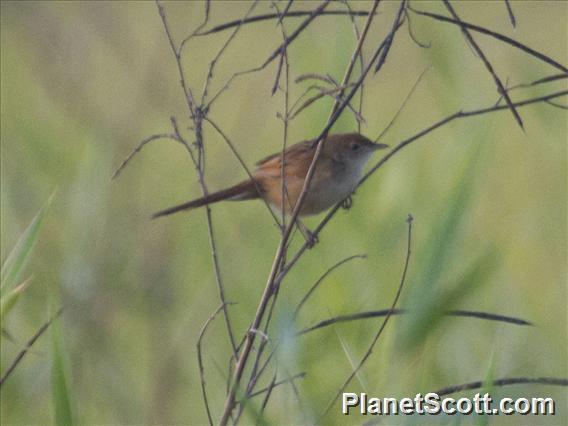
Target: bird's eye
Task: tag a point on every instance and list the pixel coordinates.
(354, 146)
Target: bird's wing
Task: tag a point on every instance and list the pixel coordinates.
(297, 159)
(291, 152)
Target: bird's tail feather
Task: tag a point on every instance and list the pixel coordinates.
(246, 190)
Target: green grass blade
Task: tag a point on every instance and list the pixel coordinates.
(352, 362)
(8, 301)
(61, 398)
(14, 263)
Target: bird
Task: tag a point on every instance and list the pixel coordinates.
(339, 168)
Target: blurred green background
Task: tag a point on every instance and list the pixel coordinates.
(82, 83)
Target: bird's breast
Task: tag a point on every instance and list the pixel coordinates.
(329, 191)
(332, 182)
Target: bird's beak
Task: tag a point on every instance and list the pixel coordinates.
(377, 146)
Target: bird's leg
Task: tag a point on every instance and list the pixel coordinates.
(347, 203)
(311, 238)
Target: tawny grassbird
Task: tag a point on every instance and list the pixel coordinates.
(338, 170)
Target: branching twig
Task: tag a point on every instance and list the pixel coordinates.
(354, 57)
(177, 54)
(495, 35)
(220, 53)
(455, 116)
(278, 383)
(284, 64)
(323, 93)
(557, 105)
(387, 42)
(197, 114)
(313, 15)
(411, 33)
(536, 82)
(500, 88)
(284, 13)
(256, 377)
(198, 29)
(361, 63)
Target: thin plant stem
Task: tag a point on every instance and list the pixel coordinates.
(28, 346)
(197, 115)
(200, 362)
(500, 88)
(383, 325)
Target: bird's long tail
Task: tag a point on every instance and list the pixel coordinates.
(246, 190)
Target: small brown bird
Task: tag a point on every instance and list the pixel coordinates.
(338, 170)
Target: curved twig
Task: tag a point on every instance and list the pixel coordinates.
(200, 361)
(139, 147)
(553, 381)
(269, 16)
(322, 278)
(402, 105)
(385, 312)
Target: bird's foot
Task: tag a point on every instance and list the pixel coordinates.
(347, 203)
(311, 238)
